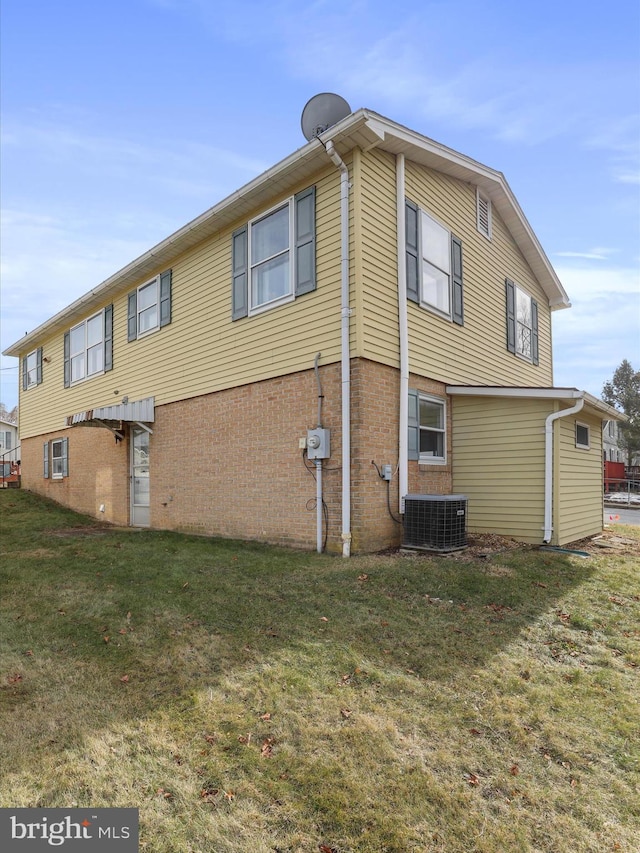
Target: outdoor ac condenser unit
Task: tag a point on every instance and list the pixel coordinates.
(435, 522)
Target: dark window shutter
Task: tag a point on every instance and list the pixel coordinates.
(24, 373)
(132, 316)
(240, 288)
(412, 250)
(305, 241)
(67, 360)
(414, 425)
(534, 332)
(7, 440)
(108, 337)
(457, 300)
(510, 290)
(165, 298)
(38, 365)
(45, 460)
(65, 457)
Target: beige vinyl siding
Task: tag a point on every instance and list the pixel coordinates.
(380, 339)
(498, 463)
(202, 350)
(578, 506)
(475, 353)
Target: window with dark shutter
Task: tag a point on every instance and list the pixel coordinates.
(32, 369)
(433, 264)
(522, 322)
(149, 306)
(274, 256)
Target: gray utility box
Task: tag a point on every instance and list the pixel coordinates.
(435, 522)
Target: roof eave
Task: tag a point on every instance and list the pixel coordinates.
(517, 392)
(364, 129)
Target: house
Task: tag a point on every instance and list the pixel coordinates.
(9, 444)
(368, 319)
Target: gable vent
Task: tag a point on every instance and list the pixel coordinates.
(483, 205)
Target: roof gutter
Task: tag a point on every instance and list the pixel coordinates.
(345, 358)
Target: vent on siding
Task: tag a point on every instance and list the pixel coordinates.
(484, 214)
(435, 522)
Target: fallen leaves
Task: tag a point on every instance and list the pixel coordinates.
(266, 750)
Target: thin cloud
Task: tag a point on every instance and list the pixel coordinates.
(598, 253)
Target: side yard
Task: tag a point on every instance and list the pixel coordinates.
(248, 698)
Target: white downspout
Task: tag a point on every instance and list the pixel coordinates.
(345, 351)
(319, 494)
(403, 437)
(548, 465)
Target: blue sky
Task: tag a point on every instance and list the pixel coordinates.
(122, 121)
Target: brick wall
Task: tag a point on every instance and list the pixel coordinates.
(229, 463)
(98, 472)
(375, 426)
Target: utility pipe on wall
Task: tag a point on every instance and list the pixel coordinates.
(345, 350)
(548, 464)
(403, 436)
(319, 495)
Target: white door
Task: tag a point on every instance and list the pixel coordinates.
(139, 478)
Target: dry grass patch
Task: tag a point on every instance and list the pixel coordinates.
(247, 698)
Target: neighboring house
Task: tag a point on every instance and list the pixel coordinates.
(610, 447)
(9, 443)
(376, 300)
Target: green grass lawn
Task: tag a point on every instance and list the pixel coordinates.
(248, 698)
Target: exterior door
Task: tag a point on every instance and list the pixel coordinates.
(139, 478)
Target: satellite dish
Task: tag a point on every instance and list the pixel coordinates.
(322, 111)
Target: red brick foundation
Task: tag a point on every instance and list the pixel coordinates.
(229, 464)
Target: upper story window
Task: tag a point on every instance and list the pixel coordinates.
(32, 369)
(483, 214)
(522, 322)
(274, 256)
(434, 264)
(88, 347)
(427, 428)
(149, 306)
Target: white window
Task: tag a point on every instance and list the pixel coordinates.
(148, 307)
(86, 348)
(271, 267)
(432, 423)
(32, 369)
(433, 257)
(436, 264)
(582, 436)
(483, 213)
(59, 458)
(522, 322)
